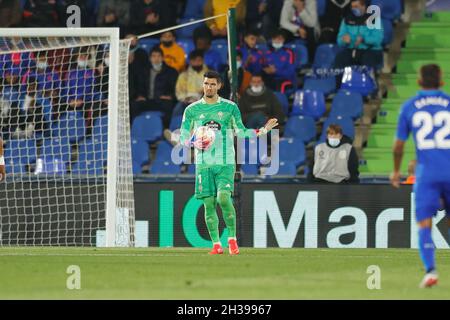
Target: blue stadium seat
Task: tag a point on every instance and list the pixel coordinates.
(247, 151)
(292, 150)
(93, 150)
(321, 7)
(187, 32)
(89, 167)
(56, 148)
(287, 168)
(164, 167)
(301, 127)
(347, 104)
(20, 152)
(175, 123)
(70, 124)
(284, 101)
(148, 43)
(390, 9)
(221, 45)
(325, 55)
(164, 151)
(100, 129)
(187, 45)
(14, 168)
(347, 125)
(325, 84)
(147, 126)
(301, 54)
(50, 165)
(194, 10)
(191, 169)
(309, 103)
(388, 31)
(357, 80)
(250, 169)
(140, 154)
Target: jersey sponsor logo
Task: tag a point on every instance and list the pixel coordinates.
(213, 125)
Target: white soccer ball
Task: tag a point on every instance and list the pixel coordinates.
(206, 135)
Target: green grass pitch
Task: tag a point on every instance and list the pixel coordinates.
(186, 273)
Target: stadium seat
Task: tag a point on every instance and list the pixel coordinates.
(309, 103)
(148, 43)
(284, 101)
(140, 154)
(164, 167)
(187, 32)
(286, 168)
(388, 31)
(347, 104)
(347, 125)
(325, 84)
(191, 169)
(301, 127)
(301, 54)
(325, 55)
(357, 80)
(21, 151)
(390, 9)
(50, 165)
(70, 124)
(175, 123)
(100, 129)
(56, 148)
(247, 151)
(250, 169)
(187, 45)
(147, 126)
(89, 167)
(221, 46)
(292, 150)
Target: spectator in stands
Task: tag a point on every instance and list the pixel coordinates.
(212, 58)
(48, 81)
(271, 20)
(28, 117)
(258, 104)
(174, 55)
(40, 14)
(279, 64)
(79, 89)
(140, 56)
(252, 58)
(114, 13)
(299, 18)
(145, 16)
(156, 89)
(329, 23)
(10, 13)
(189, 87)
(218, 26)
(100, 107)
(244, 78)
(335, 160)
(255, 12)
(362, 45)
(411, 179)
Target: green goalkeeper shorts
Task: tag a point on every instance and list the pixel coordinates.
(209, 180)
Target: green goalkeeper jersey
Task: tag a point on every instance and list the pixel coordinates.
(225, 118)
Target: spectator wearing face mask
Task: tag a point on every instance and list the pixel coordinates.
(335, 160)
(174, 55)
(189, 87)
(279, 64)
(212, 57)
(258, 104)
(362, 45)
(156, 88)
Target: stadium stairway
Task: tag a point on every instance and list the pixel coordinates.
(426, 42)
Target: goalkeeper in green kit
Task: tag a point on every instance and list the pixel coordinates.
(219, 120)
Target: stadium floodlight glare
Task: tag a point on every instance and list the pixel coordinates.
(65, 123)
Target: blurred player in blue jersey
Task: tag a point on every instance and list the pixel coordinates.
(427, 116)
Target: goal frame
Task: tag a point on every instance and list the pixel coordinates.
(113, 99)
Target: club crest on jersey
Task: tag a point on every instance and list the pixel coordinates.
(202, 116)
(220, 114)
(213, 125)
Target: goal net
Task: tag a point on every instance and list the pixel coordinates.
(64, 118)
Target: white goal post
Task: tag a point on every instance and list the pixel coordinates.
(62, 187)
